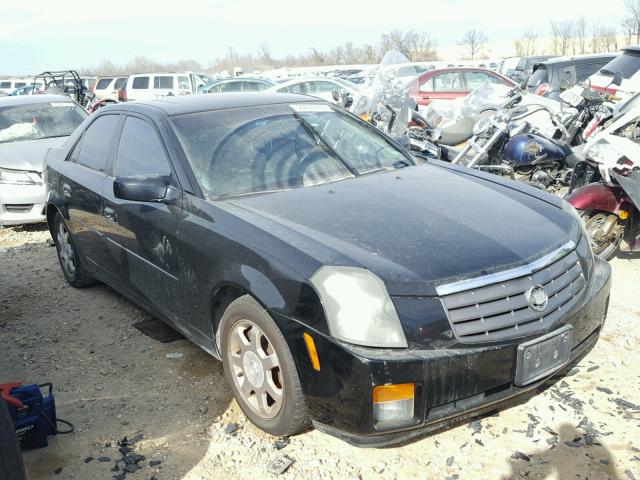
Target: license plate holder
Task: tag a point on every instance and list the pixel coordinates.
(542, 356)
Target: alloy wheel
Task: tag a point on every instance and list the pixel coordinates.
(65, 250)
(602, 246)
(255, 368)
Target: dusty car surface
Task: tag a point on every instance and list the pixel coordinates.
(340, 281)
(29, 126)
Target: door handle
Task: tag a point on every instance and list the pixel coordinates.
(66, 190)
(110, 214)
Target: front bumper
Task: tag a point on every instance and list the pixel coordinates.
(451, 383)
(20, 204)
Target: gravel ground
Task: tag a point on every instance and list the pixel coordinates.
(113, 382)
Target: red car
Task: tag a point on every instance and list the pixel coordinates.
(450, 83)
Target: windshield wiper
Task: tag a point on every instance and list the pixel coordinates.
(606, 71)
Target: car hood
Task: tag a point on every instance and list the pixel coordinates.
(28, 155)
(417, 227)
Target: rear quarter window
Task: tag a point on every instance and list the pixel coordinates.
(140, 83)
(96, 143)
(103, 83)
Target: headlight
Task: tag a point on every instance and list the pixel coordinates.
(16, 177)
(482, 126)
(358, 307)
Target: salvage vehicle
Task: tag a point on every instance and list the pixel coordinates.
(106, 88)
(627, 64)
(144, 86)
(320, 87)
(29, 126)
(524, 68)
(452, 83)
(341, 281)
(236, 85)
(551, 77)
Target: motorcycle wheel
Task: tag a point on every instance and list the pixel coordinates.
(607, 247)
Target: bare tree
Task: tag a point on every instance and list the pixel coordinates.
(473, 42)
(264, 52)
(413, 44)
(629, 29)
(581, 32)
(605, 39)
(526, 44)
(631, 21)
(562, 36)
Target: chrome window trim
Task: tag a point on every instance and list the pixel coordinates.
(524, 270)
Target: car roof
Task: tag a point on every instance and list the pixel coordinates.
(33, 99)
(632, 49)
(183, 104)
(577, 58)
(240, 79)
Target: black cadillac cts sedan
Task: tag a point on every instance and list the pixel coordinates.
(341, 281)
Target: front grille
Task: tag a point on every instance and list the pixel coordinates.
(18, 207)
(495, 307)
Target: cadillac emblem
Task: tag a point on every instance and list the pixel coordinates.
(537, 298)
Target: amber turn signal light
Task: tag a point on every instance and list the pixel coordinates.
(391, 393)
(311, 350)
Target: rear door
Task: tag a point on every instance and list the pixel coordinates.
(141, 236)
(441, 86)
(83, 185)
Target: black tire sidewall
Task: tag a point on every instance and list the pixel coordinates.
(284, 423)
(11, 463)
(77, 280)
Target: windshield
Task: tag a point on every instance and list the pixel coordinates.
(281, 147)
(627, 63)
(40, 120)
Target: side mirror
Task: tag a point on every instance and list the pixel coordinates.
(335, 93)
(617, 79)
(144, 189)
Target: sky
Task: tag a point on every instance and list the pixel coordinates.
(37, 35)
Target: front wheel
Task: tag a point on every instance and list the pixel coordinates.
(260, 369)
(604, 246)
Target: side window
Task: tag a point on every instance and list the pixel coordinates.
(447, 82)
(140, 151)
(164, 81)
(322, 87)
(184, 83)
(250, 86)
(97, 139)
(215, 89)
(477, 79)
(231, 87)
(585, 70)
(5, 84)
(140, 83)
(103, 83)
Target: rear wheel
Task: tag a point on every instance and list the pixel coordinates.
(72, 268)
(11, 466)
(604, 246)
(260, 369)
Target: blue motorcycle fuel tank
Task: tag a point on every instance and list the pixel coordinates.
(524, 148)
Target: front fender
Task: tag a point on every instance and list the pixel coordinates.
(596, 196)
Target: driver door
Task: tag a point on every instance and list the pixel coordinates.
(141, 237)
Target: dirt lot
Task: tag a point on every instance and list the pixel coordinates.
(111, 381)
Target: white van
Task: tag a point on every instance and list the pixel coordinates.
(9, 84)
(144, 86)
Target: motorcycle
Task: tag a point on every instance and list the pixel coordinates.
(509, 145)
(605, 187)
(388, 106)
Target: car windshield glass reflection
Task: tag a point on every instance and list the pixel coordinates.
(38, 121)
(281, 147)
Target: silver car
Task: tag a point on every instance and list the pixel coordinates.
(29, 126)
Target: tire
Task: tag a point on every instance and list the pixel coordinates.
(260, 369)
(607, 248)
(72, 268)
(11, 464)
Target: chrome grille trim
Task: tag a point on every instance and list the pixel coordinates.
(497, 277)
(494, 307)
